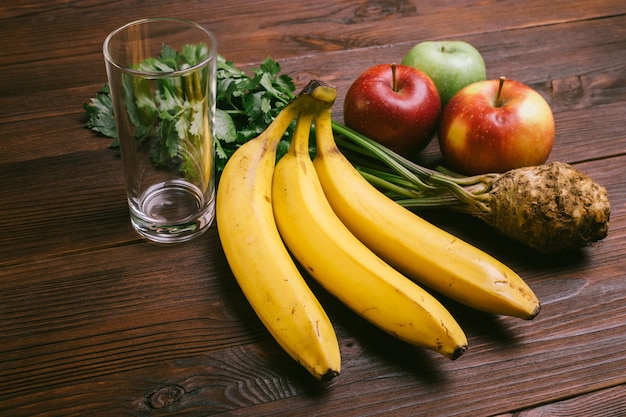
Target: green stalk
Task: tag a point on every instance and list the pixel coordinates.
(410, 184)
(390, 186)
(368, 147)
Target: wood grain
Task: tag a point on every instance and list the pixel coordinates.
(95, 321)
(605, 403)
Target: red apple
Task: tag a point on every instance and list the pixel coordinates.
(396, 105)
(495, 126)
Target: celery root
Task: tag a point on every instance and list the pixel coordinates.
(550, 208)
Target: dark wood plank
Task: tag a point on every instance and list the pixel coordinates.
(609, 402)
(52, 30)
(63, 204)
(96, 322)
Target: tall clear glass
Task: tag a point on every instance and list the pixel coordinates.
(161, 75)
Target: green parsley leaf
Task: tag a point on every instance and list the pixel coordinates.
(99, 112)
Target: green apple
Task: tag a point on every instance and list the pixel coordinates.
(450, 64)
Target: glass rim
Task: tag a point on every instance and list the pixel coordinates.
(159, 74)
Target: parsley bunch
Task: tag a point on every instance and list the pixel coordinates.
(245, 105)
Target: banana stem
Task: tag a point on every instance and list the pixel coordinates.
(302, 107)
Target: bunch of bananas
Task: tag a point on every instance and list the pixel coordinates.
(358, 244)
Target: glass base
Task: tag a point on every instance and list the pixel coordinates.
(172, 212)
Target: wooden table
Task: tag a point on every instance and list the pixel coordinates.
(93, 321)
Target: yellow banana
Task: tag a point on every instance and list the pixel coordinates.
(344, 266)
(261, 264)
(410, 244)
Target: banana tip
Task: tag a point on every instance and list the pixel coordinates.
(330, 374)
(460, 350)
(534, 313)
